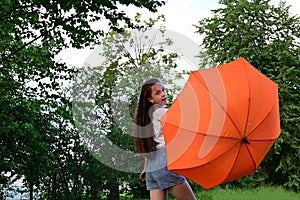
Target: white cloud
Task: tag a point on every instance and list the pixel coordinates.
(182, 15)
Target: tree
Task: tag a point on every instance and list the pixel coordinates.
(268, 37)
(34, 108)
(30, 97)
(61, 23)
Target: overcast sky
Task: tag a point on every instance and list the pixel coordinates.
(180, 17)
(181, 14)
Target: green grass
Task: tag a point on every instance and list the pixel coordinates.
(263, 193)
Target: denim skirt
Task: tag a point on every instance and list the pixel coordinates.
(157, 174)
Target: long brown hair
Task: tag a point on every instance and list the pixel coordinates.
(144, 129)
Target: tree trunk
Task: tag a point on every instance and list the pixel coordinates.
(114, 189)
(262, 171)
(30, 190)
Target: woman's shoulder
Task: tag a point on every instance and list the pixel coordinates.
(159, 112)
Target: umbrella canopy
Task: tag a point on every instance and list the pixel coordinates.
(222, 124)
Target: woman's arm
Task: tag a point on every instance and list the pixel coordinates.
(143, 173)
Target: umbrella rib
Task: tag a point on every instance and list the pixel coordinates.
(264, 140)
(227, 114)
(253, 160)
(245, 131)
(249, 102)
(233, 163)
(201, 133)
(249, 105)
(222, 154)
(261, 121)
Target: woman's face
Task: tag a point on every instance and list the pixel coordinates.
(158, 94)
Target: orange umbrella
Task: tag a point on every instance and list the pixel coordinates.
(222, 124)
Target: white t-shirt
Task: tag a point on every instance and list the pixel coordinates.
(158, 133)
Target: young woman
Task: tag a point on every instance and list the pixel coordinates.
(150, 142)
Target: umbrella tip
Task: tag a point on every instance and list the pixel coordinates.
(244, 140)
